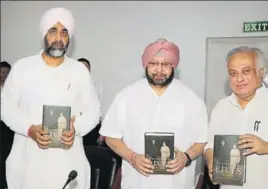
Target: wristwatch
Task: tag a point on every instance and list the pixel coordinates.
(189, 161)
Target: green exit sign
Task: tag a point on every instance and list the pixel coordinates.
(259, 26)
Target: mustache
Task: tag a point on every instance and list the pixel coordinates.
(167, 81)
(57, 43)
(159, 75)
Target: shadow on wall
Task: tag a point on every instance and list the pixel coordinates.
(71, 47)
(265, 81)
(177, 73)
(227, 89)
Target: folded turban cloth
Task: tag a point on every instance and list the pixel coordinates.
(163, 48)
(54, 15)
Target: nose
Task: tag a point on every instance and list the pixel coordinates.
(159, 67)
(240, 77)
(58, 36)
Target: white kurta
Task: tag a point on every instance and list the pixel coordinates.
(137, 109)
(228, 118)
(30, 85)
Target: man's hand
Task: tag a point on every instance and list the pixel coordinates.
(142, 164)
(68, 136)
(253, 144)
(176, 165)
(210, 171)
(209, 160)
(39, 136)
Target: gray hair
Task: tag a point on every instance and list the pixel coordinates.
(262, 62)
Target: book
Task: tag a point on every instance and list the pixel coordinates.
(159, 148)
(229, 163)
(56, 119)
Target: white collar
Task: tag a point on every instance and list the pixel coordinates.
(258, 95)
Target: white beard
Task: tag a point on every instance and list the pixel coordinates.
(56, 53)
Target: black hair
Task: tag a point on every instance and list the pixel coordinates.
(5, 64)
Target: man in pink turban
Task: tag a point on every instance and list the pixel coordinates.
(160, 52)
(164, 109)
(49, 78)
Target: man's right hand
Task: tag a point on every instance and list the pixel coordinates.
(39, 136)
(142, 164)
(210, 170)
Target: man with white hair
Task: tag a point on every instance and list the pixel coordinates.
(49, 78)
(244, 113)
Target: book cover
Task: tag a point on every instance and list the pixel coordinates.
(159, 148)
(56, 119)
(229, 164)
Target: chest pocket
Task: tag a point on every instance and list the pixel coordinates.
(71, 92)
(260, 126)
(64, 90)
(262, 129)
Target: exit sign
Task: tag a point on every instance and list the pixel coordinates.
(259, 26)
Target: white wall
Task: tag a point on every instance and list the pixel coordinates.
(113, 34)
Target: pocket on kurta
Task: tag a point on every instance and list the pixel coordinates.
(66, 93)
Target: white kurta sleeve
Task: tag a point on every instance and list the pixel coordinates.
(90, 106)
(11, 114)
(212, 129)
(113, 122)
(201, 122)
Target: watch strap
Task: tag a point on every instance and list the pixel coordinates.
(189, 161)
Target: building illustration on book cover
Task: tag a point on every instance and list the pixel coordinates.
(56, 119)
(229, 163)
(159, 148)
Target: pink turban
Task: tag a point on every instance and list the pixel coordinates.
(52, 16)
(168, 50)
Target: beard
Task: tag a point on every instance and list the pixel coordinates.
(159, 82)
(56, 49)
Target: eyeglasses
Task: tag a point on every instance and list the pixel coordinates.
(244, 72)
(164, 65)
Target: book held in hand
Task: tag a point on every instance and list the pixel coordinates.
(56, 119)
(159, 148)
(229, 163)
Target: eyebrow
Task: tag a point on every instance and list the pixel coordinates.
(247, 67)
(54, 28)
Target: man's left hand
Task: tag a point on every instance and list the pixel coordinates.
(176, 165)
(253, 144)
(68, 136)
